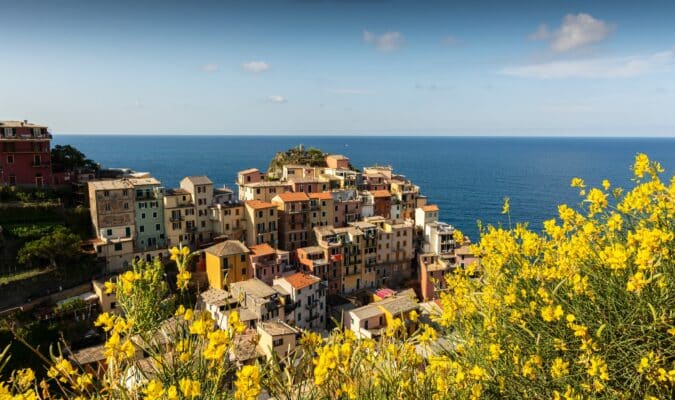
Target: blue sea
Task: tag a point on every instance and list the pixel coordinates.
(467, 177)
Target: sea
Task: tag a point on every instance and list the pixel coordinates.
(467, 177)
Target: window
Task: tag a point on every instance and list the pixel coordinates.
(10, 159)
(125, 192)
(128, 231)
(9, 132)
(109, 232)
(126, 206)
(142, 215)
(243, 258)
(157, 227)
(278, 342)
(154, 215)
(243, 272)
(141, 228)
(36, 160)
(118, 246)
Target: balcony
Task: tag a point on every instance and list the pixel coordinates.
(176, 218)
(312, 305)
(146, 196)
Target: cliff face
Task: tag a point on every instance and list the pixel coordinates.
(296, 155)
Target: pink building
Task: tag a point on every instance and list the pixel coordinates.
(269, 263)
(25, 154)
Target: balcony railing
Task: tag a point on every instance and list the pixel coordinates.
(176, 218)
(311, 305)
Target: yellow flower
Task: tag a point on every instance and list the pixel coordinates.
(109, 287)
(106, 321)
(598, 368)
(506, 207)
(636, 282)
(578, 183)
(559, 368)
(154, 390)
(550, 313)
(182, 279)
(248, 383)
(605, 184)
(190, 388)
(24, 378)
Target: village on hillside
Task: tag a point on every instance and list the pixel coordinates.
(311, 244)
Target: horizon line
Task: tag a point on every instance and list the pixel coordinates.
(368, 135)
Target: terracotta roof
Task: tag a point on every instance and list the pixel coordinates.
(430, 207)
(301, 280)
(320, 196)
(227, 248)
(262, 249)
(248, 171)
(293, 196)
(380, 193)
(257, 204)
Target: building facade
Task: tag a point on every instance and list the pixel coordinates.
(25, 154)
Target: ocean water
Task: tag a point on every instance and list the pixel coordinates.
(467, 177)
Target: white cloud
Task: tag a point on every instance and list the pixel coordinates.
(616, 67)
(277, 99)
(210, 67)
(256, 66)
(386, 42)
(575, 31)
(352, 91)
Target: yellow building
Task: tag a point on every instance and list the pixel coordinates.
(321, 212)
(261, 223)
(227, 262)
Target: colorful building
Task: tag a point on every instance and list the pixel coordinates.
(269, 263)
(262, 190)
(308, 296)
(25, 154)
(371, 321)
(321, 211)
(228, 220)
(201, 191)
(293, 210)
(180, 222)
(227, 262)
(112, 215)
(149, 210)
(261, 223)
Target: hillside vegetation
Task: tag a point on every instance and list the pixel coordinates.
(584, 309)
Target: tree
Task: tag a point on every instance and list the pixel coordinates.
(70, 158)
(58, 248)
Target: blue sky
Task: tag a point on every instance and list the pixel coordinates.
(555, 67)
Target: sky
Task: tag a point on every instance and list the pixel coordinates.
(377, 67)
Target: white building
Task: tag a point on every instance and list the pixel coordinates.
(308, 296)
